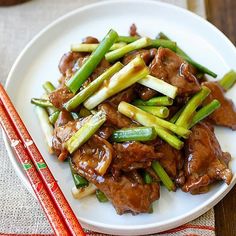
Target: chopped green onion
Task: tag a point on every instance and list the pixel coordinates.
(164, 43)
(85, 132)
(176, 115)
(205, 111)
(101, 196)
(41, 102)
(75, 101)
(118, 53)
(53, 117)
(147, 178)
(89, 66)
(157, 101)
(128, 75)
(136, 113)
(127, 39)
(149, 120)
(134, 134)
(83, 47)
(84, 112)
(78, 180)
(166, 180)
(48, 87)
(45, 125)
(159, 85)
(161, 111)
(185, 117)
(228, 80)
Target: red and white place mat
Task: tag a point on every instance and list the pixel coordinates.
(20, 213)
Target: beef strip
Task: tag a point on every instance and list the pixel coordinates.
(127, 196)
(105, 131)
(90, 40)
(133, 30)
(225, 115)
(204, 160)
(95, 156)
(126, 95)
(171, 159)
(63, 118)
(134, 176)
(171, 68)
(133, 155)
(114, 117)
(68, 61)
(145, 93)
(146, 55)
(60, 96)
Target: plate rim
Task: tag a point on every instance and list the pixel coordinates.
(168, 224)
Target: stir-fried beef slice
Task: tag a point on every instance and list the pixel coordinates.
(133, 30)
(126, 95)
(94, 157)
(146, 55)
(204, 160)
(171, 159)
(127, 196)
(62, 133)
(105, 131)
(90, 40)
(63, 118)
(60, 96)
(134, 176)
(225, 115)
(133, 155)
(68, 61)
(171, 68)
(144, 92)
(114, 117)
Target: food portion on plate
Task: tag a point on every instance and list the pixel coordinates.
(131, 113)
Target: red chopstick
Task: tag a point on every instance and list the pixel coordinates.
(44, 198)
(44, 172)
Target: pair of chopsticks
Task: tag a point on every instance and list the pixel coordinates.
(49, 194)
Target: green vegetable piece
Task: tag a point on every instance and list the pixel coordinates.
(48, 87)
(79, 98)
(83, 47)
(128, 75)
(118, 53)
(166, 180)
(185, 117)
(53, 117)
(85, 132)
(89, 66)
(78, 180)
(149, 120)
(157, 101)
(41, 102)
(228, 80)
(147, 178)
(161, 112)
(159, 85)
(205, 111)
(134, 134)
(101, 196)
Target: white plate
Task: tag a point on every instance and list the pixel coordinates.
(38, 63)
